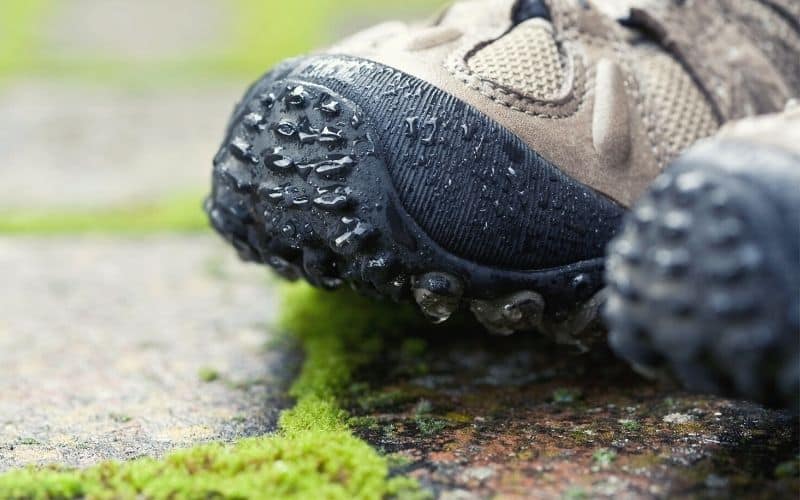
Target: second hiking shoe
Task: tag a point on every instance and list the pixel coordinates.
(705, 277)
(485, 158)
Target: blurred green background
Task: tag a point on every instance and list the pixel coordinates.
(110, 110)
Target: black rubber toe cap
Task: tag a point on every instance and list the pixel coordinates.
(327, 154)
(473, 186)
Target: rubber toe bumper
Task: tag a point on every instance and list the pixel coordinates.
(339, 170)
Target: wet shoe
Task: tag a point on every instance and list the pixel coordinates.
(705, 278)
(484, 159)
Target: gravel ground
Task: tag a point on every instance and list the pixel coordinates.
(117, 348)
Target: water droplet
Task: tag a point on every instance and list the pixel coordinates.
(300, 200)
(288, 230)
(438, 295)
(400, 281)
(307, 138)
(334, 165)
(278, 162)
(329, 106)
(305, 168)
(331, 283)
(354, 238)
(270, 191)
(286, 128)
(430, 128)
(297, 96)
(581, 283)
(516, 312)
(411, 126)
(330, 135)
(331, 201)
(467, 132)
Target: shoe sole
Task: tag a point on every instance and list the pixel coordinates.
(702, 276)
(337, 219)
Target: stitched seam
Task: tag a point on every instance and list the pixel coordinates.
(570, 103)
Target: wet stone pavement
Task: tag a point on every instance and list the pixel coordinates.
(473, 416)
(120, 348)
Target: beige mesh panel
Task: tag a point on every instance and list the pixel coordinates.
(525, 60)
(678, 109)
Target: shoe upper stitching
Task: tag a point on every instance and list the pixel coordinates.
(567, 105)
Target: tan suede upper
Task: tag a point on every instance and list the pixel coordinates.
(607, 104)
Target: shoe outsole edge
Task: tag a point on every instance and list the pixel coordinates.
(302, 185)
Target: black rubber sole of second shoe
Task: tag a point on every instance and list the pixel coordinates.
(301, 186)
(703, 280)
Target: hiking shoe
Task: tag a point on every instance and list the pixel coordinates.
(485, 158)
(705, 277)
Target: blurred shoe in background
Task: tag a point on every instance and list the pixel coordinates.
(704, 279)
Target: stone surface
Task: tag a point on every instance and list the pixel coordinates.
(473, 416)
(118, 348)
(77, 145)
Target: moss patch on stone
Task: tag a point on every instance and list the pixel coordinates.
(313, 454)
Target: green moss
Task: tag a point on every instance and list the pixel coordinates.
(427, 424)
(313, 455)
(430, 426)
(459, 418)
(604, 457)
(629, 425)
(387, 400)
(366, 422)
(322, 464)
(207, 374)
(575, 493)
(177, 213)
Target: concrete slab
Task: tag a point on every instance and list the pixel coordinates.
(118, 348)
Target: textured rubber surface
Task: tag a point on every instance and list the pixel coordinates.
(704, 280)
(339, 170)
